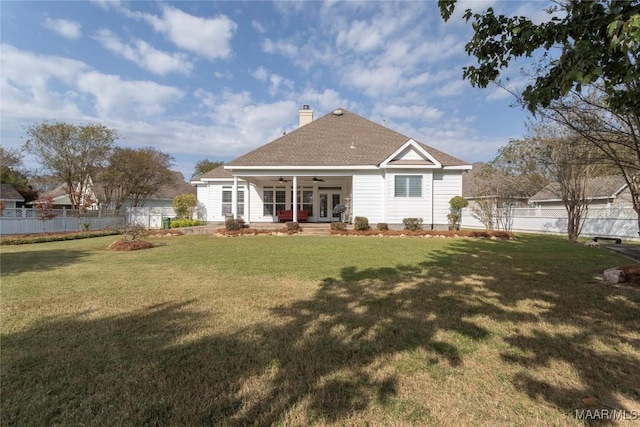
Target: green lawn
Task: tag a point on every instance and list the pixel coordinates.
(314, 331)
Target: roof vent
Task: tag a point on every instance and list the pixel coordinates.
(337, 112)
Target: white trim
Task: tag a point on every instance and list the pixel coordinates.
(418, 148)
(285, 168)
(620, 190)
(461, 167)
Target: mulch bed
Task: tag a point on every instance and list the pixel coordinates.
(130, 245)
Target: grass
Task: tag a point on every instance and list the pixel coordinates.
(297, 330)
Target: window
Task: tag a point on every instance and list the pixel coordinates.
(408, 186)
(273, 201)
(305, 201)
(227, 194)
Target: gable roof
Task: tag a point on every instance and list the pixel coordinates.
(599, 187)
(344, 139)
(10, 194)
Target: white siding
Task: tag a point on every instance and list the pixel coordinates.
(399, 208)
(445, 186)
(369, 197)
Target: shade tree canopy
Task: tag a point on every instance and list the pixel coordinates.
(73, 153)
(595, 41)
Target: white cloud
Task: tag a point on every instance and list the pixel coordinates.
(115, 97)
(258, 27)
(287, 49)
(410, 112)
(208, 37)
(277, 81)
(360, 37)
(260, 74)
(64, 27)
(38, 87)
(145, 55)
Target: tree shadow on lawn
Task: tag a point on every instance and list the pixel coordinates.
(585, 323)
(330, 355)
(39, 260)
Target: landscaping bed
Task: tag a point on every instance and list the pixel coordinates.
(24, 239)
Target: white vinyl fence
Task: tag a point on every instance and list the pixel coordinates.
(149, 217)
(605, 222)
(25, 221)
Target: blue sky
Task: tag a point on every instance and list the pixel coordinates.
(217, 79)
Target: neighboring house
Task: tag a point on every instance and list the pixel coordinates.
(10, 196)
(474, 184)
(339, 159)
(601, 191)
(161, 199)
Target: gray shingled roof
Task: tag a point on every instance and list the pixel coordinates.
(10, 194)
(335, 140)
(597, 187)
(219, 172)
(177, 187)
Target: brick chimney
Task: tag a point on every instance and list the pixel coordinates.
(306, 115)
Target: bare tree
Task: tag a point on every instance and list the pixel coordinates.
(615, 133)
(71, 152)
(134, 174)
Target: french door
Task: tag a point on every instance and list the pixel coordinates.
(327, 200)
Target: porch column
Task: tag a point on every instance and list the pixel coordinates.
(295, 198)
(247, 203)
(234, 198)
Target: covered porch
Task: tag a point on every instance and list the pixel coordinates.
(298, 197)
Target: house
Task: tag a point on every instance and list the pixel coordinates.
(339, 160)
(601, 191)
(163, 198)
(9, 196)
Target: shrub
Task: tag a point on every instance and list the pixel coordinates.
(361, 223)
(454, 221)
(338, 226)
(185, 205)
(292, 226)
(458, 202)
(234, 224)
(413, 224)
(383, 226)
(184, 222)
(132, 230)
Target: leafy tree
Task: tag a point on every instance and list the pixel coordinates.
(12, 172)
(185, 205)
(134, 174)
(596, 41)
(11, 168)
(71, 152)
(204, 166)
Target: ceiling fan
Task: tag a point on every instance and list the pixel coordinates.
(281, 179)
(316, 179)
